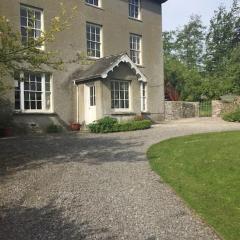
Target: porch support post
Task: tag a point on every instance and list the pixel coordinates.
(77, 89)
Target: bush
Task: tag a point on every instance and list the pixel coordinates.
(53, 128)
(6, 113)
(108, 124)
(103, 125)
(232, 117)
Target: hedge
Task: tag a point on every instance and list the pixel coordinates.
(107, 125)
(232, 117)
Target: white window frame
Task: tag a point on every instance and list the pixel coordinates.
(92, 95)
(99, 3)
(132, 6)
(135, 42)
(43, 95)
(120, 109)
(94, 56)
(41, 29)
(144, 91)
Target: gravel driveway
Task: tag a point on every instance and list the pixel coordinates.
(85, 186)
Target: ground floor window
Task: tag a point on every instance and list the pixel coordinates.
(143, 97)
(120, 94)
(33, 92)
(92, 95)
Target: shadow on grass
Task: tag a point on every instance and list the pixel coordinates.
(45, 223)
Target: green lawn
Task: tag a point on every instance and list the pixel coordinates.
(204, 170)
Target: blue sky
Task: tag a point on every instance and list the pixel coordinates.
(176, 12)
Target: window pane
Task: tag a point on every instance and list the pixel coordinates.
(23, 31)
(23, 12)
(23, 21)
(26, 96)
(39, 86)
(47, 87)
(33, 105)
(48, 101)
(39, 96)
(26, 105)
(32, 96)
(38, 15)
(39, 105)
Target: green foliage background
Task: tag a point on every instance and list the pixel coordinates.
(205, 63)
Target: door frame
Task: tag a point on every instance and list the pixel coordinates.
(90, 102)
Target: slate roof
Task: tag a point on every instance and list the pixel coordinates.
(101, 67)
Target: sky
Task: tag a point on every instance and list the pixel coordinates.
(177, 12)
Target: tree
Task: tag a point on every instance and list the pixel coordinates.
(222, 37)
(190, 43)
(183, 50)
(169, 44)
(16, 56)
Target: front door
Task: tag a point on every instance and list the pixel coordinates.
(90, 102)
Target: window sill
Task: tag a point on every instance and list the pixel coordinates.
(16, 112)
(94, 6)
(145, 112)
(123, 113)
(93, 58)
(140, 66)
(135, 19)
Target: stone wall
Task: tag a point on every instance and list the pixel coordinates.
(220, 107)
(178, 110)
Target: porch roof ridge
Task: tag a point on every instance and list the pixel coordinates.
(103, 66)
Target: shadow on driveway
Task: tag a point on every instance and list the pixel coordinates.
(27, 153)
(44, 223)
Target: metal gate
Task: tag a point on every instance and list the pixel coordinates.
(205, 108)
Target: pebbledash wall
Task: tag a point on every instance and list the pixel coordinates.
(113, 16)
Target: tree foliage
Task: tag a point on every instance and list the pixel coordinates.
(16, 56)
(205, 64)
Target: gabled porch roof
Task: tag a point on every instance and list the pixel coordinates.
(102, 67)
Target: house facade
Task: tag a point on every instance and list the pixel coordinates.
(122, 41)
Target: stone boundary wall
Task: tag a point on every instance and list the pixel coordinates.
(177, 110)
(220, 107)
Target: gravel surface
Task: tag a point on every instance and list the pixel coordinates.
(86, 186)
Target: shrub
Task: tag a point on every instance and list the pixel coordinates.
(103, 125)
(232, 117)
(108, 124)
(53, 128)
(6, 113)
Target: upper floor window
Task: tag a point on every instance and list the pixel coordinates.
(93, 2)
(120, 94)
(93, 40)
(33, 93)
(135, 9)
(31, 24)
(136, 48)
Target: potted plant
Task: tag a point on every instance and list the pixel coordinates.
(75, 126)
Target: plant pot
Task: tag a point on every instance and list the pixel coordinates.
(75, 126)
(6, 132)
